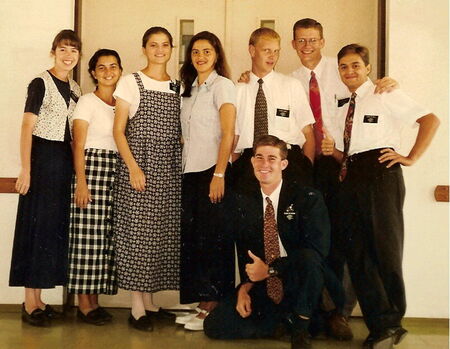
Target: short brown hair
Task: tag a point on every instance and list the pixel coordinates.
(307, 23)
(68, 37)
(260, 32)
(360, 50)
(273, 141)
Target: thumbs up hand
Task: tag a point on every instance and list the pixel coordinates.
(327, 143)
(258, 270)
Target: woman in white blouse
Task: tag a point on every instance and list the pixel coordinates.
(91, 254)
(207, 119)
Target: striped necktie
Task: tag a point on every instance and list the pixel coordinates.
(347, 136)
(272, 252)
(314, 102)
(261, 123)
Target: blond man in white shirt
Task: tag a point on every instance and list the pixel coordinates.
(288, 114)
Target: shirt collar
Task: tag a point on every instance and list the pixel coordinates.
(318, 70)
(275, 194)
(365, 88)
(208, 81)
(254, 79)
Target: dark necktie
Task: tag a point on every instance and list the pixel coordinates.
(261, 124)
(272, 251)
(347, 136)
(314, 102)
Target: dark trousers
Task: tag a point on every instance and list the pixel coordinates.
(302, 286)
(371, 237)
(326, 179)
(299, 169)
(207, 248)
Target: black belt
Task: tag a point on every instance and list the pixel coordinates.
(366, 155)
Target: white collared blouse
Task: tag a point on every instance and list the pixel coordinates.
(200, 121)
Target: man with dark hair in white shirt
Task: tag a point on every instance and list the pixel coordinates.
(365, 139)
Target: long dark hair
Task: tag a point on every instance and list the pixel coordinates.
(101, 53)
(188, 72)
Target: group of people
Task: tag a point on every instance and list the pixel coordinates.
(170, 176)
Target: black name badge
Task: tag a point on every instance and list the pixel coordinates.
(175, 87)
(370, 119)
(284, 113)
(342, 102)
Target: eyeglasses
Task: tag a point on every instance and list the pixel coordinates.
(312, 41)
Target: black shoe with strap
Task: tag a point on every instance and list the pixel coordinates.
(51, 313)
(161, 314)
(36, 318)
(93, 317)
(142, 324)
(105, 314)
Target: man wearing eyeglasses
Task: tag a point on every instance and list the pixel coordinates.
(320, 78)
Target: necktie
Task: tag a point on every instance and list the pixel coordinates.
(261, 124)
(272, 251)
(347, 136)
(314, 102)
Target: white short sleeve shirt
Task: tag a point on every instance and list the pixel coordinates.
(378, 119)
(128, 89)
(100, 117)
(200, 121)
(287, 108)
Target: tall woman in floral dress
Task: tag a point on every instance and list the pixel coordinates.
(147, 197)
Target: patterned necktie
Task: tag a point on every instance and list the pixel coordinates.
(272, 252)
(314, 102)
(347, 136)
(261, 124)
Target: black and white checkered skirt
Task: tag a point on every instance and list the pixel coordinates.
(91, 252)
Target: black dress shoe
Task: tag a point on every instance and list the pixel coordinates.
(105, 314)
(142, 324)
(399, 335)
(161, 314)
(384, 340)
(51, 313)
(93, 317)
(300, 339)
(36, 318)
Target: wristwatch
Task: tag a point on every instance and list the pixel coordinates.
(272, 272)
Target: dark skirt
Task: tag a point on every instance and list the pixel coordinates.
(207, 247)
(39, 256)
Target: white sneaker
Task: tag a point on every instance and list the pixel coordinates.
(182, 320)
(195, 323)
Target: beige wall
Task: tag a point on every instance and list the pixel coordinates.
(418, 59)
(231, 20)
(27, 30)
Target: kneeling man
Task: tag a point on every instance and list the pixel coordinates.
(282, 238)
